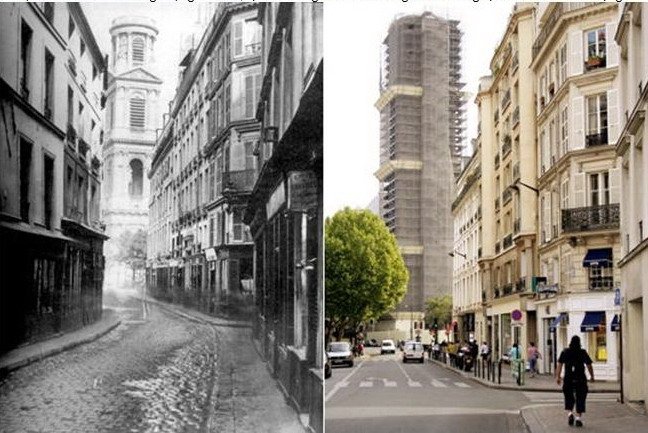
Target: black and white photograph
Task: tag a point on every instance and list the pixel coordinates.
(161, 217)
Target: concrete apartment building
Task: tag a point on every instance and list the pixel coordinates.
(632, 38)
(575, 62)
(51, 235)
(421, 134)
(132, 117)
(203, 169)
(285, 209)
(506, 142)
(467, 298)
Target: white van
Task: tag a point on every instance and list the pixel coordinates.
(413, 351)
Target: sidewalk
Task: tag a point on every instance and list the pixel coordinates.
(197, 316)
(540, 383)
(26, 355)
(601, 417)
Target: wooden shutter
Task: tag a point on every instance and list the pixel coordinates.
(576, 53)
(613, 115)
(577, 122)
(546, 216)
(615, 185)
(238, 38)
(579, 190)
(611, 48)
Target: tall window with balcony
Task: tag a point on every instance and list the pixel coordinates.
(49, 85)
(25, 58)
(597, 120)
(595, 41)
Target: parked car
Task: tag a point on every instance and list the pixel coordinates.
(327, 366)
(387, 346)
(413, 351)
(339, 352)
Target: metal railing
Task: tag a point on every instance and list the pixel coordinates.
(602, 217)
(508, 241)
(239, 180)
(599, 139)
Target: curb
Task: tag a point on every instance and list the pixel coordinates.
(56, 350)
(205, 321)
(513, 387)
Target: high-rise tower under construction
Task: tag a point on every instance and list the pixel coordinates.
(421, 139)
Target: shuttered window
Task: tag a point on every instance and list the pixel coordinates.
(137, 112)
(138, 50)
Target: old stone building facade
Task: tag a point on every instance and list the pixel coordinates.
(51, 235)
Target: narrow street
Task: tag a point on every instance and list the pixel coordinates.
(381, 394)
(156, 372)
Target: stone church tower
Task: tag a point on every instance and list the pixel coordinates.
(132, 117)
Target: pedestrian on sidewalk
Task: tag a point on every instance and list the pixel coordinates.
(575, 359)
(533, 354)
(484, 351)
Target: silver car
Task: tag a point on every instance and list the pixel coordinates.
(339, 352)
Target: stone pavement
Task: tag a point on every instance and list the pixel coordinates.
(601, 417)
(28, 354)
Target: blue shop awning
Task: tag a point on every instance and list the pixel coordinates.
(556, 321)
(598, 257)
(592, 321)
(616, 324)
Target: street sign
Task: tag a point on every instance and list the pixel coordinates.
(516, 315)
(617, 296)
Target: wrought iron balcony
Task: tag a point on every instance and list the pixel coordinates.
(595, 62)
(508, 241)
(601, 283)
(520, 286)
(597, 139)
(602, 217)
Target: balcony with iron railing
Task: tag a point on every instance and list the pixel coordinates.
(558, 10)
(597, 139)
(604, 217)
(595, 62)
(253, 49)
(520, 285)
(507, 289)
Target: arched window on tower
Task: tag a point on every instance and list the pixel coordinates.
(138, 50)
(137, 112)
(135, 187)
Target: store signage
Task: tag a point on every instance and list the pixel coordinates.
(302, 191)
(276, 200)
(210, 254)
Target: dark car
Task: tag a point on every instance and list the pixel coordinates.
(327, 367)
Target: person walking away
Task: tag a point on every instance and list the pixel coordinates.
(533, 354)
(575, 359)
(484, 351)
(514, 357)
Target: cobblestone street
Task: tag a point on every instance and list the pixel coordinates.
(156, 372)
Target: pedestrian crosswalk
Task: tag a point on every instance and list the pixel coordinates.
(557, 397)
(385, 383)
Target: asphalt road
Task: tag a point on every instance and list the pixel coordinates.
(381, 394)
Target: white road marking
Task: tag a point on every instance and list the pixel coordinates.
(413, 384)
(366, 384)
(355, 412)
(462, 385)
(390, 384)
(438, 384)
(343, 383)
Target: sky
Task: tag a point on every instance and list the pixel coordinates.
(353, 33)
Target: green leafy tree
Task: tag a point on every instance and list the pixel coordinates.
(132, 250)
(438, 309)
(366, 276)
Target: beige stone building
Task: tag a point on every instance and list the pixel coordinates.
(467, 307)
(632, 37)
(506, 141)
(575, 61)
